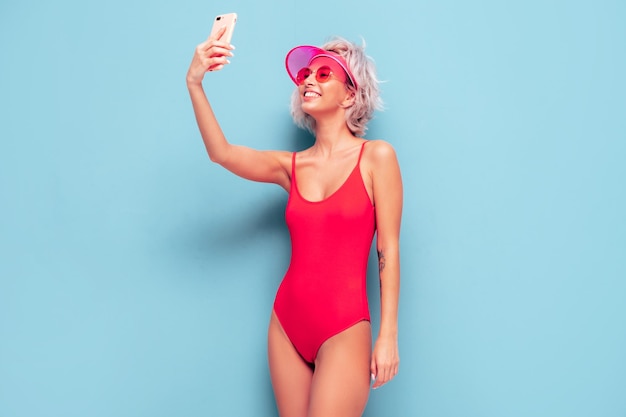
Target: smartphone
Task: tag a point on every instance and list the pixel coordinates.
(228, 20)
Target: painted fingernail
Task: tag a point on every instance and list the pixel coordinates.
(232, 46)
(373, 377)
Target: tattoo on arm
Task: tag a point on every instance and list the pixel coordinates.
(381, 261)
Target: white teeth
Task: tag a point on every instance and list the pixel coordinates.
(311, 94)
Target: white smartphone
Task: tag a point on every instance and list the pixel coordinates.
(228, 20)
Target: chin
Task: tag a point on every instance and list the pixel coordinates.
(306, 108)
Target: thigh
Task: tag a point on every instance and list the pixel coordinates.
(291, 375)
(341, 383)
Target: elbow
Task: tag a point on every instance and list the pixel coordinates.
(388, 247)
(217, 157)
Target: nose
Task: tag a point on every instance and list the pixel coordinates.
(310, 79)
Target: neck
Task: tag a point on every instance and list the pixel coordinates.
(331, 135)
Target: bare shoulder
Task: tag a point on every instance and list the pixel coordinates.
(386, 182)
(379, 153)
(284, 157)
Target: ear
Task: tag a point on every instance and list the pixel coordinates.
(349, 100)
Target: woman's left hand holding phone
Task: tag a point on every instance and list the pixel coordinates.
(210, 55)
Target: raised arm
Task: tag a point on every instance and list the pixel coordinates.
(265, 166)
(387, 190)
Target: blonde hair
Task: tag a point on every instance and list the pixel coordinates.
(367, 98)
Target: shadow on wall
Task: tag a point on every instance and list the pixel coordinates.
(255, 221)
(245, 226)
(250, 226)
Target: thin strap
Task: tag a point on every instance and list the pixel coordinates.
(358, 162)
(293, 167)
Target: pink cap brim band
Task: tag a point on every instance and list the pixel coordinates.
(301, 56)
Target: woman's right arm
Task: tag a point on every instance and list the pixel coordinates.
(264, 166)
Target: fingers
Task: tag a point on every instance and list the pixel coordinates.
(383, 371)
(212, 55)
(216, 67)
(373, 371)
(215, 40)
(213, 47)
(218, 35)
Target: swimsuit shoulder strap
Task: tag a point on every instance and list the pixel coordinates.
(293, 164)
(358, 162)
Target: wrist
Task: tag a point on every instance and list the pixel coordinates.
(390, 333)
(193, 82)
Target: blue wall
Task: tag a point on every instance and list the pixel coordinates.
(136, 278)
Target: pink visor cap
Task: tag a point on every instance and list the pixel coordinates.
(301, 56)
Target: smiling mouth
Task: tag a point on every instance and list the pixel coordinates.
(311, 94)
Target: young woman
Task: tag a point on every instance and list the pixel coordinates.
(342, 190)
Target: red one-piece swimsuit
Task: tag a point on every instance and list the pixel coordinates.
(324, 289)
